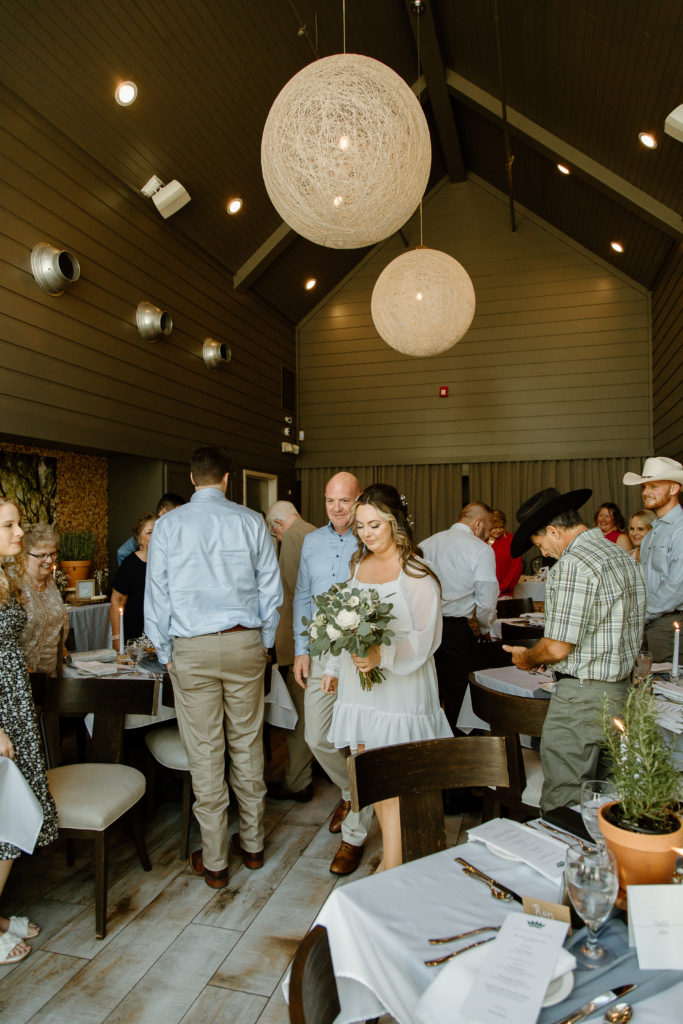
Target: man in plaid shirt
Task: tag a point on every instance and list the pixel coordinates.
(594, 618)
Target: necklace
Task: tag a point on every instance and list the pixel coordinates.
(40, 587)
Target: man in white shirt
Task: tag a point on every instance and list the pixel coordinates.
(466, 567)
(661, 552)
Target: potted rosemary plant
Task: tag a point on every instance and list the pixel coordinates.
(76, 550)
(643, 827)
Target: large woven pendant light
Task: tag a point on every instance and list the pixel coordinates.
(423, 302)
(346, 152)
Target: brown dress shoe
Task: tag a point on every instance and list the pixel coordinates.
(346, 859)
(278, 791)
(340, 812)
(253, 861)
(215, 879)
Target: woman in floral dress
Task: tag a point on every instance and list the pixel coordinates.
(19, 739)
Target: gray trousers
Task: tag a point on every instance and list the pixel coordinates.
(318, 718)
(299, 758)
(659, 636)
(571, 740)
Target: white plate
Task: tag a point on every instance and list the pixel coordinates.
(558, 989)
(501, 853)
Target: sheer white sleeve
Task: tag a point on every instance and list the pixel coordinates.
(332, 666)
(410, 650)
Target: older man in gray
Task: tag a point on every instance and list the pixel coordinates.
(290, 530)
(325, 558)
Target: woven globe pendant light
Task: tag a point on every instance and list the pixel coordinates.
(423, 302)
(346, 152)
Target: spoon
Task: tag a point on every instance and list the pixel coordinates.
(619, 1013)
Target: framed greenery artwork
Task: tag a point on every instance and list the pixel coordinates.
(30, 482)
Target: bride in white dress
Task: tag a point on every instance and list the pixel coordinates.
(404, 707)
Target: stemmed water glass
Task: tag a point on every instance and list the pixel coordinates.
(594, 794)
(134, 652)
(592, 884)
(643, 664)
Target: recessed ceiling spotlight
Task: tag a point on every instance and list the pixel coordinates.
(234, 205)
(648, 140)
(563, 169)
(126, 93)
(311, 283)
(617, 246)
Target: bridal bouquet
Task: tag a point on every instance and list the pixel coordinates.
(350, 619)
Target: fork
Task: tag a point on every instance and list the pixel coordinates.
(465, 935)
(451, 956)
(565, 837)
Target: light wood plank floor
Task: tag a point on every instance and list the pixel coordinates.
(176, 950)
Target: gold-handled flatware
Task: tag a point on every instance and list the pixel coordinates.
(451, 956)
(497, 893)
(472, 871)
(566, 837)
(465, 935)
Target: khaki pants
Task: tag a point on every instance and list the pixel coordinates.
(572, 737)
(218, 689)
(318, 719)
(299, 758)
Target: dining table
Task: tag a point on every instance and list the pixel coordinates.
(379, 929)
(91, 625)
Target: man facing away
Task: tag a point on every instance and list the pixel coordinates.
(211, 599)
(466, 567)
(290, 530)
(661, 552)
(594, 614)
(325, 558)
(165, 504)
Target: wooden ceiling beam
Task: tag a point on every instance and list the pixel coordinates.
(584, 167)
(252, 268)
(434, 73)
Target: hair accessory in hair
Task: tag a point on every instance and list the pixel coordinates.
(404, 506)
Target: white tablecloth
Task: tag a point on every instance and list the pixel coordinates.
(535, 589)
(504, 680)
(91, 625)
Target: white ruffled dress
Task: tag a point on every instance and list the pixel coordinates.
(405, 706)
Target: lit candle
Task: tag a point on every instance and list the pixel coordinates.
(623, 743)
(677, 642)
(54, 571)
(122, 642)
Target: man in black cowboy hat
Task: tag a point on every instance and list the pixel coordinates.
(594, 616)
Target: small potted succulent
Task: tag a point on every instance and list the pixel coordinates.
(76, 550)
(643, 827)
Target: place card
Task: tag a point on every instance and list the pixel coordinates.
(655, 926)
(542, 853)
(550, 911)
(513, 979)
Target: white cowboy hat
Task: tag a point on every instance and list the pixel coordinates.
(657, 468)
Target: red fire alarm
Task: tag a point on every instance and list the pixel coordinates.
(443, 391)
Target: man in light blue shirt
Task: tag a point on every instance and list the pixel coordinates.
(211, 598)
(661, 552)
(325, 558)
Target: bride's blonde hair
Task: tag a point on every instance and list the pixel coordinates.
(393, 509)
(10, 580)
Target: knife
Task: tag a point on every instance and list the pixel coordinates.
(487, 878)
(598, 1002)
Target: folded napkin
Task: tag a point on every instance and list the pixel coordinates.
(446, 994)
(21, 815)
(106, 654)
(95, 668)
(661, 666)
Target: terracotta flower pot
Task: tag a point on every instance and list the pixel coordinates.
(642, 859)
(76, 571)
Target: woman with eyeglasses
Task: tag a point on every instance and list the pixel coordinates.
(45, 610)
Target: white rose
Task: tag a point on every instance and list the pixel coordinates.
(333, 633)
(348, 620)
(353, 602)
(313, 632)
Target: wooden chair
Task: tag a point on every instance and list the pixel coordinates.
(92, 797)
(507, 715)
(511, 607)
(165, 750)
(417, 773)
(313, 997)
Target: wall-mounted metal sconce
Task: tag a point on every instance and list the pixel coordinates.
(215, 353)
(54, 269)
(152, 321)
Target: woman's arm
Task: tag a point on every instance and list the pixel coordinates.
(624, 541)
(413, 649)
(118, 603)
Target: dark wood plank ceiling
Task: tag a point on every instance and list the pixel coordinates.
(591, 72)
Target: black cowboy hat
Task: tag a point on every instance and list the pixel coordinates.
(538, 510)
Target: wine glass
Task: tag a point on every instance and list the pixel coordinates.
(643, 664)
(592, 884)
(134, 652)
(594, 794)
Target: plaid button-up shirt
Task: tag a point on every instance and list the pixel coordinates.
(595, 601)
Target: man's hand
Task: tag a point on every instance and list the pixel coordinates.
(545, 652)
(328, 684)
(518, 654)
(301, 669)
(169, 665)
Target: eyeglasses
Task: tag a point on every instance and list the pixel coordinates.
(51, 556)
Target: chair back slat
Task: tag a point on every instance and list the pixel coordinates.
(511, 607)
(313, 997)
(417, 773)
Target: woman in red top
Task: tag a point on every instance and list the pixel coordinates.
(508, 569)
(612, 523)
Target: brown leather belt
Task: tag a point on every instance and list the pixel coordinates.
(233, 629)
